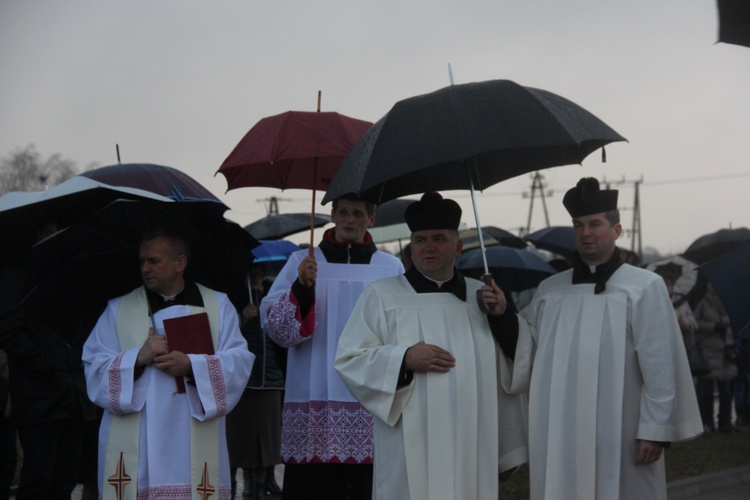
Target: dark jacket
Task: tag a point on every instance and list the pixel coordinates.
(46, 373)
(269, 367)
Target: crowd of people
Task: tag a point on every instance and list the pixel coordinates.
(369, 376)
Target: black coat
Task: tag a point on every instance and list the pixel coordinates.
(269, 367)
(46, 373)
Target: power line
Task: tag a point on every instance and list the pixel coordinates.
(643, 183)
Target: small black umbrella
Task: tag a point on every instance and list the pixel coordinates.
(277, 226)
(23, 213)
(77, 270)
(730, 276)
(504, 237)
(391, 212)
(734, 22)
(714, 244)
(513, 268)
(468, 136)
(166, 181)
(556, 239)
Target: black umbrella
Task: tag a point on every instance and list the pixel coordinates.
(504, 237)
(734, 22)
(480, 133)
(391, 212)
(467, 136)
(556, 239)
(277, 226)
(166, 181)
(22, 214)
(513, 268)
(714, 244)
(730, 276)
(77, 270)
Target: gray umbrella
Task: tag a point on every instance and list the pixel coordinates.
(277, 226)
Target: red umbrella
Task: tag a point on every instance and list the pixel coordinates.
(293, 150)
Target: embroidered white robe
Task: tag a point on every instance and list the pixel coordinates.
(164, 465)
(321, 420)
(444, 435)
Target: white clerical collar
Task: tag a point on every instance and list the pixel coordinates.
(172, 297)
(439, 283)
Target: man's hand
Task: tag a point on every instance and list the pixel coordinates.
(494, 299)
(249, 312)
(155, 345)
(648, 452)
(423, 357)
(175, 363)
(307, 272)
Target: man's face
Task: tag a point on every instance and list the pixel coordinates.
(595, 238)
(351, 221)
(434, 251)
(161, 268)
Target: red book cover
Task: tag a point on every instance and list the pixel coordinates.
(189, 335)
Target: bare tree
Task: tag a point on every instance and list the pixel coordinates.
(25, 170)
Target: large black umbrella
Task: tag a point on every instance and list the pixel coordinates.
(714, 244)
(730, 276)
(76, 271)
(734, 22)
(556, 239)
(468, 136)
(277, 226)
(514, 269)
(480, 133)
(166, 181)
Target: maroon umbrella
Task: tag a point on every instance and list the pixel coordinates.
(166, 181)
(293, 150)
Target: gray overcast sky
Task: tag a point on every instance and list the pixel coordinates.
(178, 83)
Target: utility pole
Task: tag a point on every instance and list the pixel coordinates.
(537, 184)
(273, 204)
(636, 244)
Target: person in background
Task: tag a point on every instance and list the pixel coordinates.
(716, 337)
(326, 440)
(601, 355)
(7, 433)
(254, 425)
(49, 406)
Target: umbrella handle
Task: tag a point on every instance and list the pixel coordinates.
(487, 280)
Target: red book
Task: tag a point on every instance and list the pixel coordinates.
(189, 335)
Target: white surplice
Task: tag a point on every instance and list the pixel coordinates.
(164, 465)
(445, 435)
(322, 421)
(602, 371)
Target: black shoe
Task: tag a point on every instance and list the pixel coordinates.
(729, 429)
(272, 488)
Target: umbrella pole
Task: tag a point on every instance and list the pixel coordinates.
(479, 226)
(312, 211)
(487, 277)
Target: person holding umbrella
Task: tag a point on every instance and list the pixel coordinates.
(419, 354)
(601, 355)
(162, 433)
(326, 439)
(49, 407)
